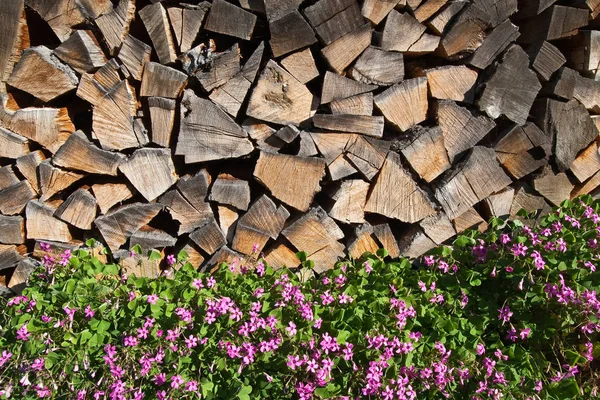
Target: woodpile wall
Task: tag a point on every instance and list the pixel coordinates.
(330, 126)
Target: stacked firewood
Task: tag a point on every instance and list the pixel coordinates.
(333, 127)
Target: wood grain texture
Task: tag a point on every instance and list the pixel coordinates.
(499, 204)
(223, 67)
(81, 51)
(7, 177)
(289, 33)
(41, 223)
(350, 199)
(379, 67)
(209, 237)
(363, 241)
(452, 83)
(80, 154)
(343, 51)
(337, 87)
(109, 194)
(162, 81)
(189, 217)
(404, 104)
(515, 151)
(228, 218)
(438, 227)
(440, 22)
(20, 276)
(134, 54)
(466, 33)
(376, 10)
(12, 145)
(301, 65)
(334, 18)
(150, 171)
(54, 180)
(427, 9)
(12, 229)
(229, 190)
(186, 23)
(151, 238)
(118, 225)
(27, 166)
(281, 256)
(494, 44)
(555, 187)
(162, 116)
(361, 104)
(366, 125)
(401, 31)
(587, 163)
(367, 155)
(14, 37)
(546, 59)
(426, 153)
(469, 220)
(555, 22)
(154, 17)
(79, 209)
(114, 25)
(384, 235)
(231, 20)
(9, 256)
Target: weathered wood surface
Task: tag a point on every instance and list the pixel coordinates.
(150, 171)
(117, 226)
(80, 154)
(154, 17)
(405, 104)
(426, 153)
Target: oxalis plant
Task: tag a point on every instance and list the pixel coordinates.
(512, 313)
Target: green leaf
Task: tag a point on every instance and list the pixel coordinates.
(137, 249)
(206, 387)
(244, 393)
(383, 253)
(301, 256)
(154, 255)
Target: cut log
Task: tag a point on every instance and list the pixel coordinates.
(426, 153)
(14, 38)
(9, 256)
(208, 133)
(293, 180)
(367, 125)
(79, 209)
(340, 168)
(376, 10)
(361, 104)
(301, 65)
(263, 135)
(366, 155)
(12, 230)
(134, 54)
(115, 24)
(584, 54)
(396, 195)
(288, 133)
(263, 220)
(554, 187)
(499, 10)
(469, 220)
(186, 23)
(587, 91)
(570, 126)
(230, 191)
(587, 163)
(231, 20)
(311, 234)
(426, 44)
(14, 198)
(331, 145)
(61, 15)
(42, 74)
(499, 204)
(276, 9)
(223, 67)
(81, 52)
(80, 154)
(109, 194)
(438, 227)
(532, 8)
(150, 171)
(343, 51)
(228, 218)
(194, 256)
(162, 115)
(556, 22)
(231, 95)
(401, 32)
(209, 237)
(289, 33)
(334, 19)
(20, 276)
(545, 59)
(54, 180)
(466, 33)
(7, 177)
(461, 127)
(149, 238)
(224, 255)
(307, 145)
(379, 67)
(439, 23)
(405, 104)
(588, 187)
(195, 189)
(563, 84)
(337, 87)
(154, 17)
(27, 166)
(281, 256)
(350, 199)
(471, 181)
(162, 81)
(494, 44)
(386, 239)
(414, 243)
(514, 151)
(362, 242)
(427, 9)
(181, 210)
(279, 98)
(452, 83)
(41, 223)
(117, 226)
(12, 145)
(511, 89)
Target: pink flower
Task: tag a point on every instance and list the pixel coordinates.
(176, 381)
(38, 364)
(23, 334)
(171, 259)
(524, 334)
(160, 379)
(480, 349)
(152, 299)
(191, 386)
(210, 282)
(368, 267)
(504, 314)
(318, 323)
(291, 329)
(130, 341)
(197, 284)
(538, 386)
(6, 355)
(89, 313)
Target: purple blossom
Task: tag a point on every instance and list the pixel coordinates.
(504, 314)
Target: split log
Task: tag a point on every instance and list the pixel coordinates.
(414, 243)
(471, 181)
(209, 237)
(307, 145)
(162, 116)
(208, 133)
(350, 199)
(224, 255)
(514, 150)
(556, 22)
(401, 31)
(569, 125)
(466, 33)
(228, 218)
(343, 51)
(288, 133)
(150, 171)
(231, 95)
(337, 87)
(80, 154)
(396, 195)
(361, 104)
(81, 52)
(367, 125)
(469, 220)
(499, 10)
(231, 20)
(526, 199)
(149, 238)
(452, 83)
(54, 180)
(279, 98)
(194, 256)
(461, 127)
(379, 67)
(263, 220)
(563, 84)
(276, 9)
(20, 276)
(28, 165)
(14, 198)
(426, 153)
(438, 227)
(12, 230)
(554, 187)
(587, 91)
(41, 223)
(12, 145)
(362, 242)
(41, 74)
(154, 17)
(376, 10)
(14, 38)
(332, 145)
(404, 104)
(532, 8)
(587, 163)
(426, 44)
(584, 53)
(79, 209)
(223, 67)
(546, 59)
(499, 204)
(181, 210)
(334, 19)
(230, 191)
(439, 23)
(162, 81)
(281, 256)
(134, 54)
(301, 65)
(428, 9)
(7, 177)
(588, 187)
(386, 239)
(296, 180)
(512, 88)
(289, 33)
(115, 24)
(494, 44)
(117, 226)
(195, 189)
(109, 194)
(9, 256)
(186, 23)
(367, 155)
(61, 15)
(138, 265)
(263, 135)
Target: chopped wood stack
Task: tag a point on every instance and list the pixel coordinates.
(326, 126)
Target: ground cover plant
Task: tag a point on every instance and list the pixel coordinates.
(511, 313)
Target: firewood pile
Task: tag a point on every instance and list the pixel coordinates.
(331, 126)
